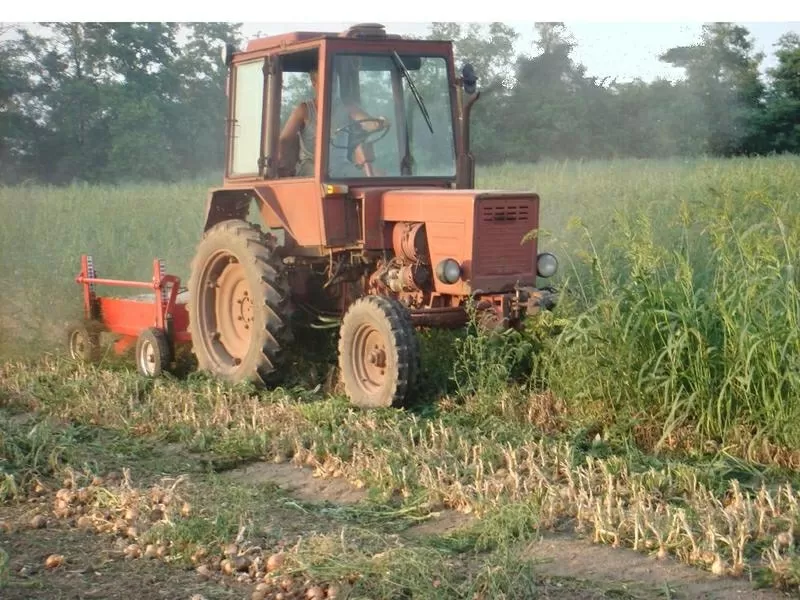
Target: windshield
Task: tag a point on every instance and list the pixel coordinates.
(400, 105)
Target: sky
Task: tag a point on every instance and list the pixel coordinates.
(621, 50)
(615, 38)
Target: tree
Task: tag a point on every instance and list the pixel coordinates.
(489, 48)
(114, 101)
(66, 69)
(198, 115)
(722, 72)
(124, 100)
(17, 130)
(780, 127)
(554, 108)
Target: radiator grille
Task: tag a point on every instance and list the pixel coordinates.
(502, 225)
(505, 213)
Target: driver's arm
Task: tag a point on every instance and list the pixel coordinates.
(357, 114)
(288, 142)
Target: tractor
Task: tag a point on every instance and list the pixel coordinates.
(349, 194)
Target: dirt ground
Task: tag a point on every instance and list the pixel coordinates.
(95, 567)
(557, 556)
(95, 570)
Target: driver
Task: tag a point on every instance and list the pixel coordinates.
(301, 128)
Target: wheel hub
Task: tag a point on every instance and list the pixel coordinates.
(78, 345)
(148, 358)
(377, 357)
(369, 358)
(245, 314)
(234, 311)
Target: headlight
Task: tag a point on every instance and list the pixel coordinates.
(546, 264)
(448, 271)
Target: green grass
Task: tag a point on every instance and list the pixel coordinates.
(681, 300)
(32, 450)
(44, 231)
(686, 303)
(680, 310)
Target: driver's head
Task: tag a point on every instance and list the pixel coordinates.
(312, 75)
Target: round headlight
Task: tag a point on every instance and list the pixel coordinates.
(448, 271)
(546, 264)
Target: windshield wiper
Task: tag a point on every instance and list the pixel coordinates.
(399, 62)
(407, 162)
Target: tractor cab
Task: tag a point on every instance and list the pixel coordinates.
(360, 107)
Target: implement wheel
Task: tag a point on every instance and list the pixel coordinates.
(153, 354)
(83, 342)
(378, 352)
(238, 305)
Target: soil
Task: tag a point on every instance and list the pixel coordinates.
(299, 482)
(567, 556)
(441, 523)
(94, 567)
(554, 555)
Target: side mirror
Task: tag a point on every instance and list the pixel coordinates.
(469, 79)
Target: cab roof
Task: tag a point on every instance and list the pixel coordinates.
(374, 31)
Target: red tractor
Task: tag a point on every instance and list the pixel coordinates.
(348, 192)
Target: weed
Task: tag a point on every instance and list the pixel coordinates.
(3, 567)
(30, 451)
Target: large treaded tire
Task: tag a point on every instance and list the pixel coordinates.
(378, 353)
(239, 303)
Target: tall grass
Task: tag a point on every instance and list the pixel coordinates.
(44, 230)
(680, 301)
(676, 330)
(684, 315)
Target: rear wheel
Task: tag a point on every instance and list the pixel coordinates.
(238, 304)
(153, 354)
(378, 352)
(83, 342)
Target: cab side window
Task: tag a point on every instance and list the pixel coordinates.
(299, 110)
(247, 118)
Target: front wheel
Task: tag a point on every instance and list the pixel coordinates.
(238, 305)
(378, 352)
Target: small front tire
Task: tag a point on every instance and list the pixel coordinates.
(378, 352)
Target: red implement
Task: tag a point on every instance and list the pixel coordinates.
(155, 324)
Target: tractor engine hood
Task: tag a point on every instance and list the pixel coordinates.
(482, 230)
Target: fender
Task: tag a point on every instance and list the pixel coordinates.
(223, 204)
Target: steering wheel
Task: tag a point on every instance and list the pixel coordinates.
(359, 136)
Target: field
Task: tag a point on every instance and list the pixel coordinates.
(639, 442)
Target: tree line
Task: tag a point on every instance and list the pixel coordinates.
(102, 102)
(544, 105)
